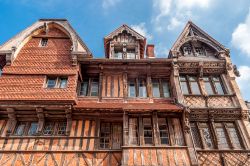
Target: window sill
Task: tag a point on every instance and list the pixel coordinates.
(154, 146)
(222, 150)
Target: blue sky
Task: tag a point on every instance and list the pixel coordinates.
(161, 21)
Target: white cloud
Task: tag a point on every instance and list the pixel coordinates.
(109, 3)
(161, 51)
(170, 15)
(244, 81)
(241, 36)
(181, 4)
(141, 29)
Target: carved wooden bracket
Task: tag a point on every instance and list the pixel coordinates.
(201, 66)
(41, 120)
(186, 116)
(11, 121)
(68, 113)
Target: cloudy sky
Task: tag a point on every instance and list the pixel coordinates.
(161, 21)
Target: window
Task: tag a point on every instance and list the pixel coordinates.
(19, 131)
(56, 82)
(206, 135)
(131, 53)
(226, 133)
(61, 128)
(133, 131)
(199, 51)
(110, 135)
(221, 136)
(90, 87)
(44, 42)
(234, 136)
(190, 85)
(196, 135)
(213, 85)
(163, 129)
(160, 88)
(137, 87)
(1, 71)
(33, 128)
(187, 50)
(147, 130)
(48, 128)
(118, 53)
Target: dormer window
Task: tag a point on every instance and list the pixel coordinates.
(131, 53)
(187, 50)
(118, 53)
(199, 51)
(44, 42)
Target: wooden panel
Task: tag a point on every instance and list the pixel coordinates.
(104, 86)
(156, 156)
(108, 86)
(116, 89)
(121, 85)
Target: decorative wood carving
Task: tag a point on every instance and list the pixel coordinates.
(11, 121)
(41, 120)
(68, 113)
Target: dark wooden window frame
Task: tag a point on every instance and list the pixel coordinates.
(161, 81)
(214, 135)
(26, 128)
(58, 81)
(137, 86)
(212, 84)
(89, 81)
(188, 83)
(110, 137)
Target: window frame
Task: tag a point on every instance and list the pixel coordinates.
(161, 81)
(137, 88)
(89, 81)
(58, 81)
(188, 84)
(43, 42)
(213, 85)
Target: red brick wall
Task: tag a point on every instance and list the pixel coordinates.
(25, 78)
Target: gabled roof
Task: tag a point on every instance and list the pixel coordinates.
(124, 27)
(193, 32)
(17, 41)
(128, 29)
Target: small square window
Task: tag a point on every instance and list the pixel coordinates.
(51, 83)
(48, 128)
(61, 130)
(44, 42)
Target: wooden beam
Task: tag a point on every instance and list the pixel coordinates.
(68, 113)
(11, 121)
(40, 116)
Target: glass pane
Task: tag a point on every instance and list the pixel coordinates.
(142, 88)
(94, 87)
(48, 128)
(51, 83)
(234, 136)
(207, 137)
(163, 128)
(133, 131)
(195, 88)
(131, 88)
(63, 83)
(20, 129)
(33, 128)
(219, 88)
(196, 136)
(148, 133)
(105, 135)
(184, 88)
(61, 130)
(156, 88)
(222, 140)
(84, 88)
(165, 88)
(209, 88)
(131, 55)
(1, 71)
(44, 42)
(118, 55)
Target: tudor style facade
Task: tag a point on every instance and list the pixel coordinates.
(61, 106)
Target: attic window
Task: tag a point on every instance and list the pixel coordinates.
(118, 53)
(131, 53)
(187, 50)
(199, 51)
(44, 42)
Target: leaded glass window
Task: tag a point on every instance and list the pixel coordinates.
(196, 135)
(184, 85)
(218, 85)
(234, 136)
(105, 136)
(89, 87)
(48, 128)
(33, 128)
(142, 88)
(61, 128)
(156, 87)
(148, 132)
(20, 128)
(163, 128)
(131, 88)
(221, 136)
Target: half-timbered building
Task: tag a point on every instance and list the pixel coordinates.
(61, 106)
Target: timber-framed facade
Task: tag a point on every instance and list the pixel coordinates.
(61, 106)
